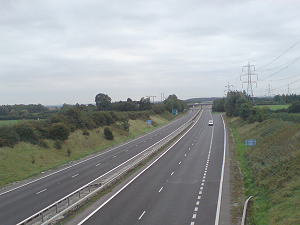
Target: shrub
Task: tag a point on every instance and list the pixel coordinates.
(58, 144)
(108, 134)
(85, 132)
(8, 136)
(44, 143)
(59, 131)
(27, 132)
(125, 124)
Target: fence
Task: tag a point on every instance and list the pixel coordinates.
(58, 209)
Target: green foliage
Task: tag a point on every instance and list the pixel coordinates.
(159, 108)
(103, 101)
(27, 132)
(144, 104)
(58, 144)
(245, 110)
(271, 170)
(294, 107)
(125, 124)
(85, 132)
(8, 136)
(129, 105)
(59, 131)
(219, 105)
(230, 104)
(172, 102)
(69, 152)
(108, 134)
(13, 112)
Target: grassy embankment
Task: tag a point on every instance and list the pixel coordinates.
(271, 169)
(25, 160)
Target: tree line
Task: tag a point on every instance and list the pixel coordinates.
(59, 124)
(239, 104)
(17, 112)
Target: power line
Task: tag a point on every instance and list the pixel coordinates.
(279, 56)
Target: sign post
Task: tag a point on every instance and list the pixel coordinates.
(250, 142)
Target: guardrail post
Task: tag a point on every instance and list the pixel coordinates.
(79, 193)
(56, 208)
(245, 211)
(68, 201)
(42, 216)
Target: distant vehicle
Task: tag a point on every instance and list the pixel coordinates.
(210, 123)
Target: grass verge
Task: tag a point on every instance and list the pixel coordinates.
(26, 160)
(270, 170)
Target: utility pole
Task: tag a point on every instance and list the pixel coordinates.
(249, 80)
(288, 89)
(228, 88)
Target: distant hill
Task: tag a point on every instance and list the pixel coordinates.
(192, 100)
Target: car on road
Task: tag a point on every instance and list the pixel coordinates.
(210, 123)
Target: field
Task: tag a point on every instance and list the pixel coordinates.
(274, 107)
(8, 122)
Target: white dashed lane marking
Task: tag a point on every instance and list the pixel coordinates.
(142, 215)
(41, 191)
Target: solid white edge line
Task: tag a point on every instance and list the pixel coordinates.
(68, 167)
(222, 179)
(103, 174)
(133, 179)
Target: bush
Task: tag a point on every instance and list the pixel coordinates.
(27, 132)
(58, 144)
(44, 143)
(59, 131)
(85, 132)
(108, 134)
(8, 136)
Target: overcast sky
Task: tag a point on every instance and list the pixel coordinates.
(67, 51)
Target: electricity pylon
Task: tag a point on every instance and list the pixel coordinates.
(249, 80)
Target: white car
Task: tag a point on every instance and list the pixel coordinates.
(210, 123)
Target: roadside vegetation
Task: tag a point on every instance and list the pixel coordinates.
(29, 147)
(270, 170)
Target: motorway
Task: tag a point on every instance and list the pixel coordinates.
(181, 186)
(23, 199)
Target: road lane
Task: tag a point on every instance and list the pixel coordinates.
(180, 188)
(20, 203)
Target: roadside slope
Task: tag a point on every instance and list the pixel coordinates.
(271, 169)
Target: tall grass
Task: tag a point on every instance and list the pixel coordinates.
(271, 169)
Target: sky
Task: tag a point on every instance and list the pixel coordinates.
(67, 51)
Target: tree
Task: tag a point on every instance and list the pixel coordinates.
(103, 101)
(219, 105)
(27, 132)
(108, 134)
(59, 131)
(144, 104)
(294, 107)
(230, 104)
(245, 110)
(172, 102)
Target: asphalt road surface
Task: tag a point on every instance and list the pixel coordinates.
(23, 199)
(184, 185)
